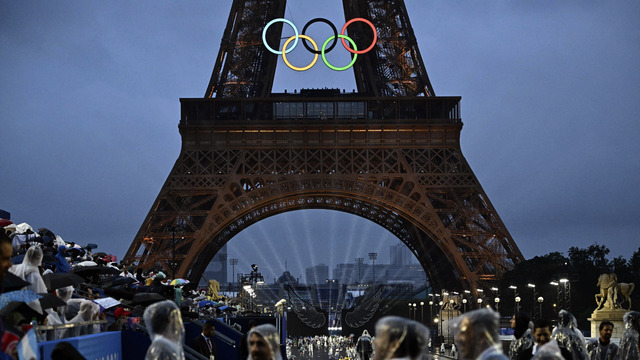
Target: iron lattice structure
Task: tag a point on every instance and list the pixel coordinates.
(389, 153)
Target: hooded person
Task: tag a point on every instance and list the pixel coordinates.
(476, 335)
(29, 270)
(264, 343)
(400, 338)
(364, 347)
(569, 336)
(88, 311)
(522, 333)
(630, 341)
(61, 263)
(164, 324)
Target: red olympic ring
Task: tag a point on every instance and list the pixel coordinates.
(373, 43)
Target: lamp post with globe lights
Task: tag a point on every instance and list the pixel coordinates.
(540, 300)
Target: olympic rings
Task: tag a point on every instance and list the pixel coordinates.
(284, 56)
(375, 36)
(344, 38)
(326, 62)
(264, 35)
(333, 27)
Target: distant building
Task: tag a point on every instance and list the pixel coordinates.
(217, 270)
(400, 255)
(317, 274)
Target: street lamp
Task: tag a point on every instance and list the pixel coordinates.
(414, 311)
(497, 301)
(464, 304)
(515, 295)
(540, 300)
(373, 256)
(518, 298)
(535, 295)
(422, 312)
(233, 263)
(566, 287)
(479, 302)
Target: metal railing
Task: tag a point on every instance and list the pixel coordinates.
(61, 331)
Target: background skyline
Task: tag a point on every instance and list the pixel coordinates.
(90, 100)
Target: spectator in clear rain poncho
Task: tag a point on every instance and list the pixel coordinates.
(29, 270)
(522, 333)
(57, 316)
(400, 338)
(476, 335)
(264, 343)
(364, 347)
(601, 348)
(164, 324)
(569, 336)
(629, 341)
(89, 311)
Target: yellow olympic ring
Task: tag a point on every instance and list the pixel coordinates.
(284, 55)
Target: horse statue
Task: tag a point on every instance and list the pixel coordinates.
(609, 291)
(608, 295)
(625, 289)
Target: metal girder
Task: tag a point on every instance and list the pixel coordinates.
(394, 67)
(244, 67)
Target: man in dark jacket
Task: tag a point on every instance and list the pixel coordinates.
(204, 343)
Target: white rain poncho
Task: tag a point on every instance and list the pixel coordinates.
(28, 270)
(164, 324)
(88, 311)
(629, 340)
(569, 336)
(397, 337)
(270, 334)
(476, 335)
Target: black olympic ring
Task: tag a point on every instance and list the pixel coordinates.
(335, 35)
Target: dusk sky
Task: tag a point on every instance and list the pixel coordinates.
(90, 108)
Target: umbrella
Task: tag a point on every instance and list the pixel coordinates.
(13, 282)
(227, 308)
(48, 301)
(147, 298)
(18, 296)
(118, 280)
(119, 292)
(178, 281)
(5, 222)
(87, 263)
(88, 271)
(204, 303)
(91, 246)
(46, 232)
(23, 228)
(60, 280)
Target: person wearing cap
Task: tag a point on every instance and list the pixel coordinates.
(204, 343)
(122, 317)
(400, 338)
(477, 337)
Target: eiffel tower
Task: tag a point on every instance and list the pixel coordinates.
(389, 153)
